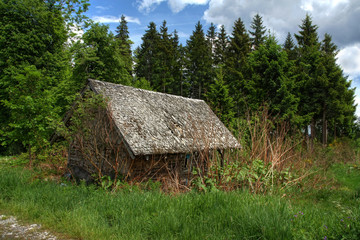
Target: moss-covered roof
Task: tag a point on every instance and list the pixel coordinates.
(159, 123)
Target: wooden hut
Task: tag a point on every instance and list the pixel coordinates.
(147, 134)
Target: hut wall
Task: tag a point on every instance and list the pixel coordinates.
(167, 166)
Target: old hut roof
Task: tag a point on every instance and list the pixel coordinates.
(158, 123)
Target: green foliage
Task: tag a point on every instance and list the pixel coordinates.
(32, 108)
(198, 63)
(146, 56)
(237, 67)
(124, 44)
(258, 33)
(100, 56)
(221, 47)
(219, 98)
(34, 61)
(273, 82)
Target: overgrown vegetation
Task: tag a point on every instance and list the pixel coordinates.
(328, 211)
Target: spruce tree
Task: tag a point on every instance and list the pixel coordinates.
(337, 100)
(198, 63)
(179, 86)
(166, 55)
(220, 100)
(221, 46)
(258, 34)
(211, 37)
(147, 56)
(309, 74)
(289, 47)
(237, 70)
(124, 43)
(273, 81)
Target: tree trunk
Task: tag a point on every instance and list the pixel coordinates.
(324, 129)
(312, 128)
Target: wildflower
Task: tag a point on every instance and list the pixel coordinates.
(342, 220)
(325, 227)
(295, 215)
(325, 238)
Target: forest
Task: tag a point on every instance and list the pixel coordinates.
(44, 65)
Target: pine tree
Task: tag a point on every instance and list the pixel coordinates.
(337, 100)
(258, 33)
(309, 73)
(237, 70)
(166, 59)
(273, 81)
(221, 46)
(124, 43)
(219, 98)
(198, 63)
(147, 56)
(179, 86)
(211, 37)
(289, 47)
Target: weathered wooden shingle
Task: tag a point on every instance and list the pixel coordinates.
(158, 123)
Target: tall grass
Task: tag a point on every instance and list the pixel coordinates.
(91, 213)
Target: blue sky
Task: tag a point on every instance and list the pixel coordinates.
(339, 18)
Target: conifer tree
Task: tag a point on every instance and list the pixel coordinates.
(124, 43)
(289, 47)
(273, 81)
(337, 100)
(179, 86)
(147, 56)
(309, 73)
(221, 46)
(237, 66)
(211, 37)
(219, 98)
(258, 34)
(165, 58)
(198, 63)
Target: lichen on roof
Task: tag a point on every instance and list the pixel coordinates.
(159, 123)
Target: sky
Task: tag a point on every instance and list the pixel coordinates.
(339, 18)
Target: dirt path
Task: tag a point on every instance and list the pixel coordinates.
(10, 228)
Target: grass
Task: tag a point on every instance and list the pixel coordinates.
(91, 213)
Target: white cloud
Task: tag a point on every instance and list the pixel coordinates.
(323, 7)
(175, 5)
(148, 5)
(113, 19)
(102, 8)
(349, 60)
(178, 5)
(339, 18)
